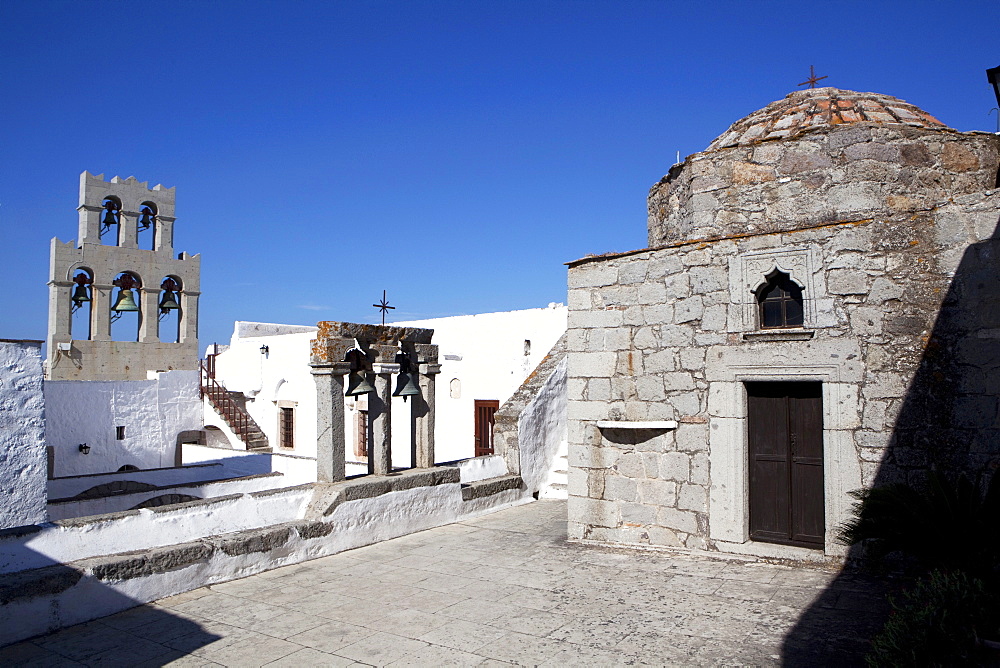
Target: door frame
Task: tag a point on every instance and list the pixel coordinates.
(729, 510)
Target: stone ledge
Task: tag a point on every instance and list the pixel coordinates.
(370, 486)
(14, 533)
(780, 335)
(637, 424)
(190, 504)
(129, 565)
(490, 486)
(251, 540)
(37, 582)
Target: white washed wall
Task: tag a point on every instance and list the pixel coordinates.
(153, 413)
(485, 352)
(22, 430)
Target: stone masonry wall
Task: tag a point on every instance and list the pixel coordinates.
(651, 332)
(851, 171)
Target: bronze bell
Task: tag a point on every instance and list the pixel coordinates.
(406, 386)
(169, 302)
(125, 301)
(357, 384)
(80, 295)
(145, 218)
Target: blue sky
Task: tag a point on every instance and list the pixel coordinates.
(455, 154)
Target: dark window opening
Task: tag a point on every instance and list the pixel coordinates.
(286, 427)
(780, 302)
(120, 433)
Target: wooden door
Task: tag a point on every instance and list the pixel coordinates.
(785, 434)
(484, 426)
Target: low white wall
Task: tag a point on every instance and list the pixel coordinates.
(71, 540)
(542, 430)
(485, 354)
(296, 469)
(22, 425)
(64, 488)
(117, 503)
(279, 378)
(481, 468)
(153, 412)
(352, 524)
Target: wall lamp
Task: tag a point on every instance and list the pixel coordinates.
(84, 448)
(264, 350)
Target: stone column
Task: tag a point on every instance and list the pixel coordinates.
(128, 233)
(163, 234)
(330, 421)
(189, 317)
(423, 410)
(380, 417)
(101, 296)
(149, 326)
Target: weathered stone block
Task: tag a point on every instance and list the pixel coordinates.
(693, 497)
(883, 290)
(678, 381)
(658, 492)
(649, 388)
(675, 466)
(592, 275)
(847, 282)
(596, 512)
(957, 158)
(691, 359)
(630, 465)
(866, 321)
(692, 437)
(598, 389)
(678, 286)
(686, 310)
(676, 336)
(708, 279)
(664, 537)
(636, 513)
(595, 318)
(652, 293)
(680, 520)
(592, 365)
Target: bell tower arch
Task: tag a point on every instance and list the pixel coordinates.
(112, 215)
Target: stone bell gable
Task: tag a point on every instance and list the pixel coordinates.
(817, 313)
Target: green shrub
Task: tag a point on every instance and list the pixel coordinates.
(936, 623)
(945, 523)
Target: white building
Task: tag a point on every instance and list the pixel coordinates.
(484, 359)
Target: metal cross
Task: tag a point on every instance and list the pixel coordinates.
(383, 306)
(812, 78)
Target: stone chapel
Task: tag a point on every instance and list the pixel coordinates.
(818, 311)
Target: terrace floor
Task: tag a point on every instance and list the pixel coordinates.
(502, 589)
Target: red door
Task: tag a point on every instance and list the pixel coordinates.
(484, 425)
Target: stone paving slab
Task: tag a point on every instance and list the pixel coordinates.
(505, 589)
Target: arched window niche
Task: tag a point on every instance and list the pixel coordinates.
(82, 299)
(779, 302)
(169, 307)
(146, 224)
(126, 307)
(111, 218)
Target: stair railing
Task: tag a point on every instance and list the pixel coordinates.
(235, 416)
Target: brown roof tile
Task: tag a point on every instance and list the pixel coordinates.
(808, 109)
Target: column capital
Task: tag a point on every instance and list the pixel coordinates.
(385, 368)
(339, 369)
(430, 369)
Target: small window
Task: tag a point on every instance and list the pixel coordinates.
(286, 427)
(780, 302)
(120, 433)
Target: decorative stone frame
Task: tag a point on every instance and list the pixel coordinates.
(284, 403)
(729, 495)
(749, 271)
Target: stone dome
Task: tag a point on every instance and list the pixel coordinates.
(818, 108)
